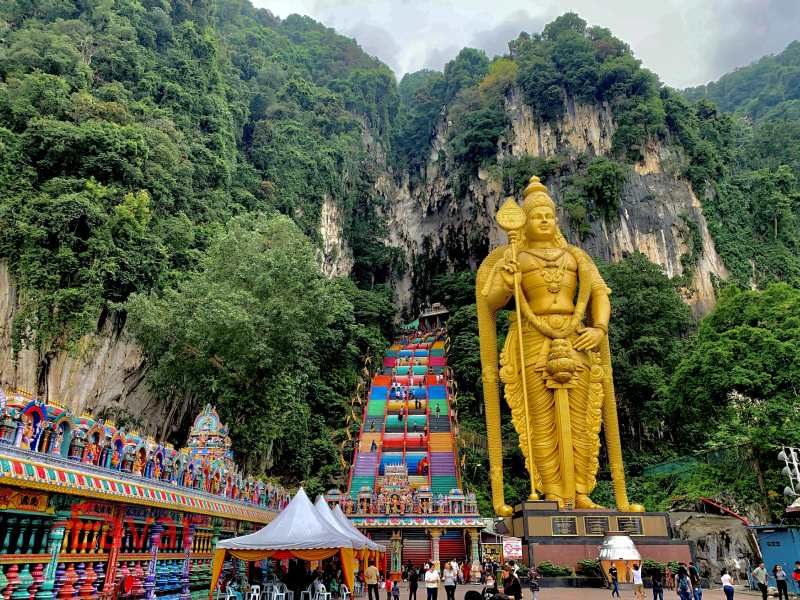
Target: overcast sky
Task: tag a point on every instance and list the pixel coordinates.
(685, 42)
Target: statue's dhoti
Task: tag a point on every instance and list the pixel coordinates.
(582, 413)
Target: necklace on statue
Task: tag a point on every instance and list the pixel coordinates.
(552, 272)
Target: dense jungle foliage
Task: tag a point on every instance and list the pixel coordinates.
(164, 167)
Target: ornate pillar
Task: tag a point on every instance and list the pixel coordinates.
(118, 527)
(435, 535)
(475, 570)
(188, 535)
(155, 542)
(57, 530)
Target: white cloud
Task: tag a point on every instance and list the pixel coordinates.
(685, 42)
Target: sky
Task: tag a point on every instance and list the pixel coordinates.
(685, 42)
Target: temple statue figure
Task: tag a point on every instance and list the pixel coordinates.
(556, 362)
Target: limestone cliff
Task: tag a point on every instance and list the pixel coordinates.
(659, 213)
(104, 374)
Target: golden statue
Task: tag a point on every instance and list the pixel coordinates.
(556, 363)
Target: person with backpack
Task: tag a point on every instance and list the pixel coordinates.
(683, 584)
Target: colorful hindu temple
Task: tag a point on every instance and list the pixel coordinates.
(405, 484)
(89, 510)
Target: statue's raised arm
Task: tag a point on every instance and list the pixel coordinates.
(556, 363)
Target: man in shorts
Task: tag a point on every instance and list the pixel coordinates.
(638, 583)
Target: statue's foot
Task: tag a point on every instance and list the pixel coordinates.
(631, 508)
(558, 499)
(534, 497)
(504, 510)
(583, 501)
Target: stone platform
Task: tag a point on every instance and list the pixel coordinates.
(565, 537)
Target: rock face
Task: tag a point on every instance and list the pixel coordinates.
(106, 373)
(659, 213)
(437, 228)
(719, 542)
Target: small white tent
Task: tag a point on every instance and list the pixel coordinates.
(340, 516)
(297, 532)
(360, 541)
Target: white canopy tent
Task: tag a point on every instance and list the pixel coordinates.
(360, 541)
(299, 531)
(348, 525)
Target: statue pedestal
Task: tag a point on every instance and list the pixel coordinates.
(565, 537)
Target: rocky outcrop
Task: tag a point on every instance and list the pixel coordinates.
(719, 542)
(659, 213)
(335, 256)
(103, 373)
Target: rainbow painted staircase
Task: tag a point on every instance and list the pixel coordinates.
(411, 431)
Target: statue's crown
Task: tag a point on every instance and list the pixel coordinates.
(536, 195)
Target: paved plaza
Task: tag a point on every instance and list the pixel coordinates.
(580, 593)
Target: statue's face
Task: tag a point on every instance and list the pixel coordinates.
(541, 224)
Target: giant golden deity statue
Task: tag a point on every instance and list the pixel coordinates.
(556, 362)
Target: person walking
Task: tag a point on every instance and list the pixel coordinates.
(432, 579)
(683, 584)
(638, 583)
(450, 578)
(658, 585)
(727, 585)
(371, 577)
(413, 582)
(614, 574)
(533, 582)
(760, 575)
(697, 588)
(395, 591)
(781, 582)
(511, 585)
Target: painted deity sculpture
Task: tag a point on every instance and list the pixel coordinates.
(556, 362)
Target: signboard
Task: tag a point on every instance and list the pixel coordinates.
(512, 548)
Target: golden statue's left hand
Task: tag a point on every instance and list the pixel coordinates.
(589, 338)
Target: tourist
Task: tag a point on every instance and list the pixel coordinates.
(371, 577)
(658, 585)
(694, 575)
(780, 582)
(373, 447)
(438, 411)
(490, 588)
(683, 584)
(511, 585)
(450, 578)
(533, 582)
(727, 585)
(669, 577)
(760, 575)
(432, 580)
(638, 584)
(413, 582)
(614, 574)
(395, 591)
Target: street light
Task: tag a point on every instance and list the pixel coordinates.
(791, 459)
